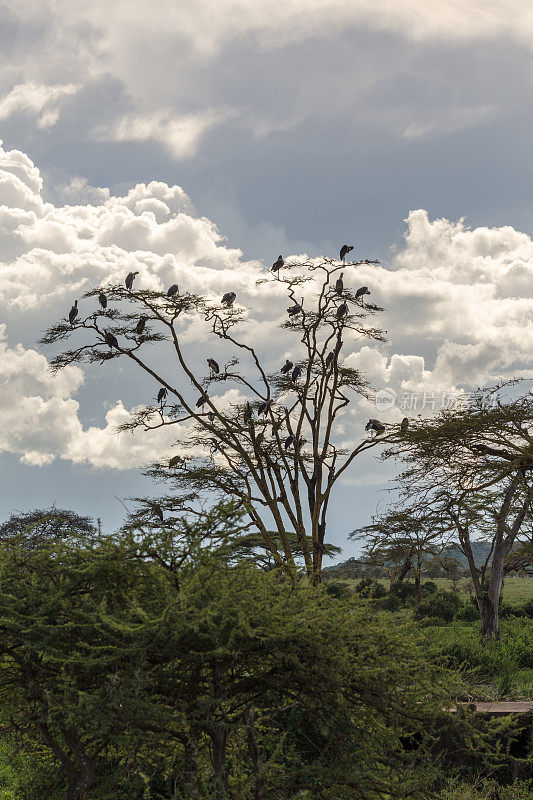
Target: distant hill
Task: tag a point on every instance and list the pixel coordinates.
(356, 567)
(480, 551)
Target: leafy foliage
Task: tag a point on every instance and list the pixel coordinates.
(168, 666)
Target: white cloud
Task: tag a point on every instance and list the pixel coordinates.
(208, 26)
(79, 192)
(99, 41)
(38, 99)
(181, 135)
(458, 305)
(39, 418)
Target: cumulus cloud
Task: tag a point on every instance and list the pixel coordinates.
(458, 305)
(39, 418)
(78, 191)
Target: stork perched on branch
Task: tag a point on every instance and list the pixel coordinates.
(130, 277)
(345, 249)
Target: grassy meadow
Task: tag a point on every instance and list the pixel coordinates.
(449, 633)
(517, 589)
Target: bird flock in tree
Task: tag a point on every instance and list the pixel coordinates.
(373, 425)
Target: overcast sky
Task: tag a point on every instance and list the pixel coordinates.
(196, 141)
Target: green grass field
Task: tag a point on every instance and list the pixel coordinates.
(516, 589)
(501, 670)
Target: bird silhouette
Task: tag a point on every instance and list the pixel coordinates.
(277, 265)
(339, 284)
(342, 310)
(345, 249)
(263, 408)
(73, 313)
(228, 299)
(130, 277)
(286, 368)
(211, 416)
(110, 339)
(329, 358)
(288, 441)
(361, 292)
(162, 394)
(201, 400)
(102, 299)
(174, 289)
(297, 371)
(375, 425)
(158, 511)
(139, 328)
(404, 424)
(295, 309)
(213, 365)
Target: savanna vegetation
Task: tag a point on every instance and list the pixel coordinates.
(202, 652)
(179, 663)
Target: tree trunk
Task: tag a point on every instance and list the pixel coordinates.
(219, 738)
(488, 611)
(257, 766)
(80, 780)
(417, 586)
(190, 778)
(78, 787)
(79, 772)
(318, 553)
(316, 576)
(487, 600)
(404, 569)
(488, 608)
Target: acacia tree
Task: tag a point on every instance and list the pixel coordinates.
(46, 524)
(175, 664)
(403, 542)
(469, 472)
(277, 450)
(48, 601)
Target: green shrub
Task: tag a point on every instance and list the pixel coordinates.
(460, 644)
(432, 622)
(403, 590)
(528, 608)
(338, 589)
(488, 790)
(370, 588)
(441, 604)
(508, 610)
(468, 613)
(390, 603)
